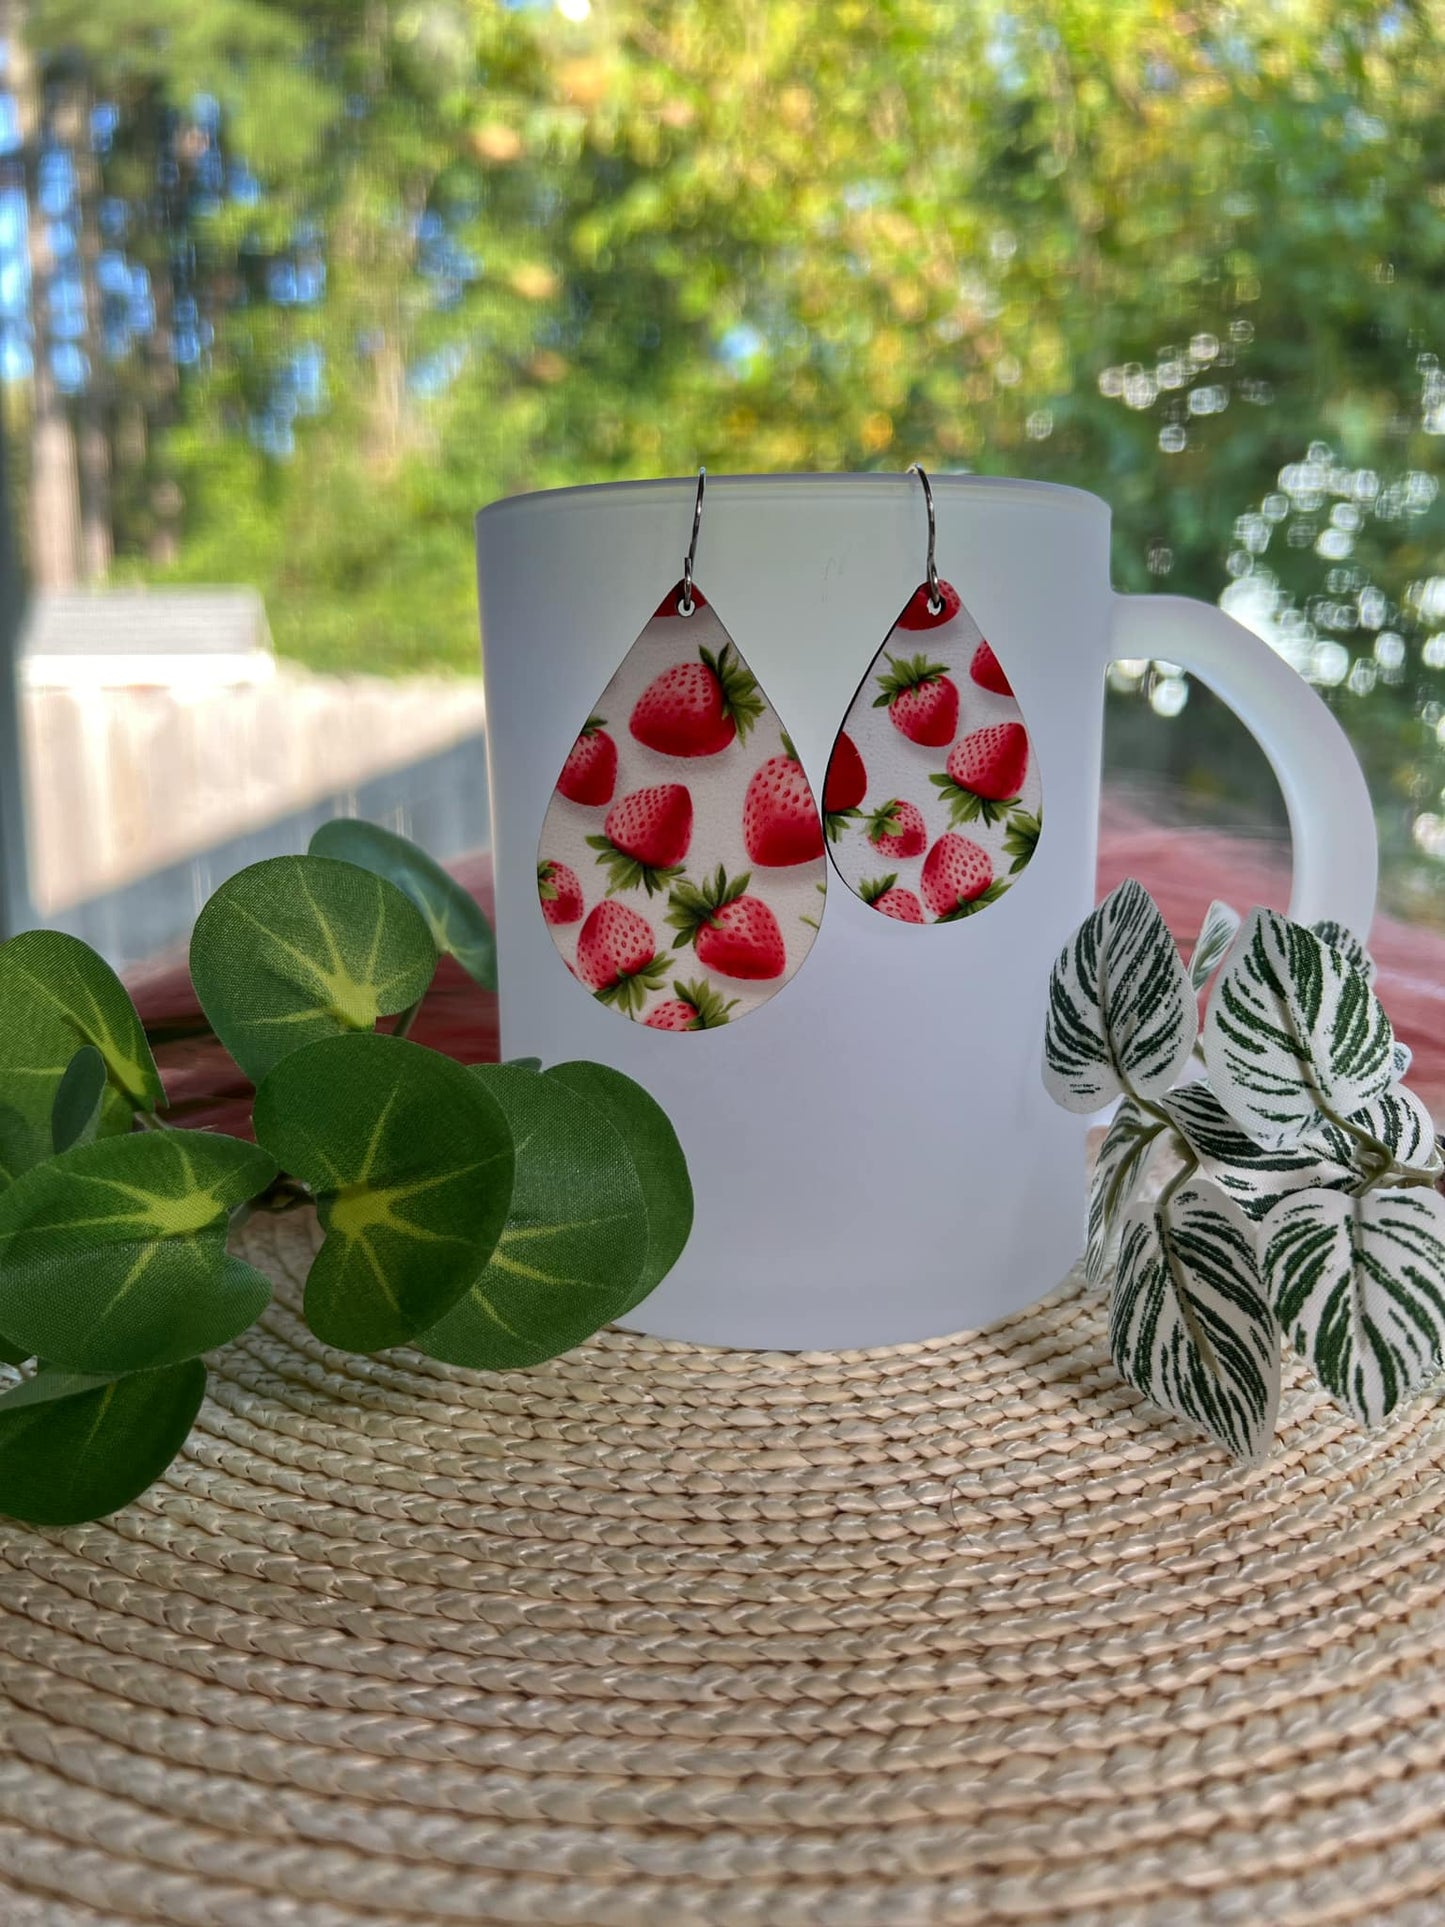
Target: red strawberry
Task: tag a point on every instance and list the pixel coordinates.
(987, 671)
(590, 771)
(780, 818)
(921, 700)
(560, 891)
(918, 615)
(696, 1006)
(957, 878)
(697, 708)
(884, 895)
(897, 829)
(985, 773)
(645, 838)
(617, 956)
(733, 933)
(669, 603)
(844, 787)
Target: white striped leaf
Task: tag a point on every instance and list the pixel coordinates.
(1338, 937)
(1122, 1016)
(1294, 1034)
(1330, 1159)
(1118, 1173)
(1217, 932)
(1403, 1059)
(1359, 1285)
(1189, 1326)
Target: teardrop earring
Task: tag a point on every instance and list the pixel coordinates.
(681, 868)
(932, 796)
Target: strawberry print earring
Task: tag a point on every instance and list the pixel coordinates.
(681, 868)
(931, 799)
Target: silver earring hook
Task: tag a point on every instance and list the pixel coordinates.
(685, 602)
(935, 593)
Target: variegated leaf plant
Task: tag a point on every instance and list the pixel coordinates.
(1302, 1196)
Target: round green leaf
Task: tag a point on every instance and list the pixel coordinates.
(411, 1161)
(113, 1255)
(75, 1114)
(76, 1447)
(302, 947)
(457, 922)
(56, 995)
(575, 1240)
(17, 1145)
(657, 1158)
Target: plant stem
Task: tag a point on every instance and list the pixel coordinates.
(408, 1017)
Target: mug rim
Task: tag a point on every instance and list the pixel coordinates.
(871, 481)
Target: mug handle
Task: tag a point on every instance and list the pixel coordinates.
(1332, 824)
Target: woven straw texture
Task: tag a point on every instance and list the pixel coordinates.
(657, 1635)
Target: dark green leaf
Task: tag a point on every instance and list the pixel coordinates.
(75, 1115)
(458, 924)
(113, 1255)
(302, 947)
(657, 1158)
(410, 1157)
(576, 1238)
(18, 1142)
(76, 1447)
(56, 995)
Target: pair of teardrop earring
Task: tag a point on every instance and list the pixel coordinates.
(683, 862)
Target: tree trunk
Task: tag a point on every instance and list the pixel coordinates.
(54, 507)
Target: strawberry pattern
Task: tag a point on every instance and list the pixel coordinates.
(932, 796)
(681, 867)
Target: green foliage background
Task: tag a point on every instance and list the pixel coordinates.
(1165, 253)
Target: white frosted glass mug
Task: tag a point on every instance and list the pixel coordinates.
(874, 1157)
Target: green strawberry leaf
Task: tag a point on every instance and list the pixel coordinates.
(967, 806)
(657, 1157)
(79, 1099)
(76, 1446)
(113, 1255)
(411, 1161)
(740, 698)
(303, 947)
(57, 994)
(905, 673)
(458, 924)
(576, 1241)
(971, 906)
(625, 872)
(1021, 838)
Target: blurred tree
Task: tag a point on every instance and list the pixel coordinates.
(406, 255)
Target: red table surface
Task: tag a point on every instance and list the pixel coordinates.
(1183, 869)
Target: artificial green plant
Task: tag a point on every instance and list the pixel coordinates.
(1300, 1173)
(489, 1215)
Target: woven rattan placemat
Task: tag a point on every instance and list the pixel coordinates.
(655, 1635)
